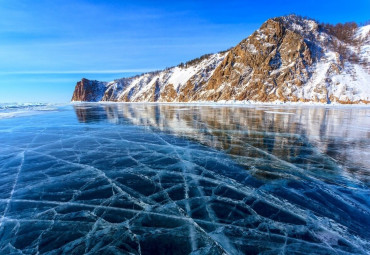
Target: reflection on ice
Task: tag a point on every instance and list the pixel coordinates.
(306, 136)
(157, 179)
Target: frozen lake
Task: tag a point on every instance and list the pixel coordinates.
(180, 179)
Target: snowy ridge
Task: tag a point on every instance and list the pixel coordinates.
(140, 88)
(351, 85)
(288, 59)
(348, 83)
(363, 34)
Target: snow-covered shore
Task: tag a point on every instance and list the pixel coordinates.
(231, 103)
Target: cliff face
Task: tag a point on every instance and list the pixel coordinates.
(287, 59)
(91, 91)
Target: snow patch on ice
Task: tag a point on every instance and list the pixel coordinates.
(275, 112)
(11, 110)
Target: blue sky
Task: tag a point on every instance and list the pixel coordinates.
(47, 46)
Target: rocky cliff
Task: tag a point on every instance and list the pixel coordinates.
(287, 59)
(91, 91)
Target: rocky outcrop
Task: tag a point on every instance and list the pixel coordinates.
(91, 91)
(288, 59)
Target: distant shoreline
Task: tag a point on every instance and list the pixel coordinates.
(234, 103)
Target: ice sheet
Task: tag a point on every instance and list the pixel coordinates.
(156, 179)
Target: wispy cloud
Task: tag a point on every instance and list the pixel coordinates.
(79, 71)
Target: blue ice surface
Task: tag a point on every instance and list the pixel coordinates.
(181, 179)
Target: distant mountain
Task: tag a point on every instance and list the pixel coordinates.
(289, 59)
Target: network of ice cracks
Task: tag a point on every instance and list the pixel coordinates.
(149, 179)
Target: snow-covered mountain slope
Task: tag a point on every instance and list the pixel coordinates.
(288, 59)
